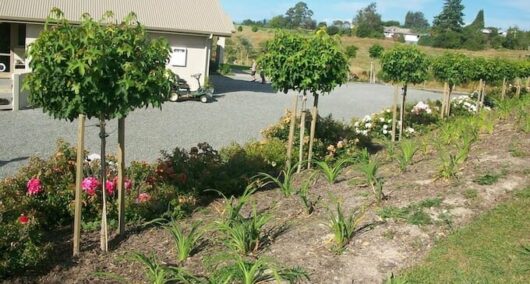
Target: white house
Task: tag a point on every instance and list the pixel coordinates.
(190, 26)
(409, 36)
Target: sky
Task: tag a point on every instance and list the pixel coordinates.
(498, 13)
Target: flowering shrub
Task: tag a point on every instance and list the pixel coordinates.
(463, 105)
(38, 200)
(329, 133)
(379, 125)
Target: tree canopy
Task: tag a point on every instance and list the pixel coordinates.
(97, 68)
(300, 16)
(451, 18)
(405, 64)
(376, 51)
(368, 22)
(416, 21)
(453, 68)
(313, 64)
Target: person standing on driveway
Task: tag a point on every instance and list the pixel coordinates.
(253, 70)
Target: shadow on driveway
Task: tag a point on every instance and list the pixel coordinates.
(225, 84)
(3, 163)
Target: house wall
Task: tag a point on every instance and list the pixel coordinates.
(198, 56)
(198, 51)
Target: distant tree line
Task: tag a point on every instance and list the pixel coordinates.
(447, 31)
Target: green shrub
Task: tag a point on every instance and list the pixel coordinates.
(255, 29)
(225, 69)
(351, 51)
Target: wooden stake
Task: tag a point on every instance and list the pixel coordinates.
(302, 134)
(371, 72)
(78, 180)
(527, 84)
(483, 95)
(503, 94)
(442, 112)
(291, 131)
(479, 94)
(394, 112)
(448, 103)
(402, 113)
(313, 129)
(104, 241)
(121, 170)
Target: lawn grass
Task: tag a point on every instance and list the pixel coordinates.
(490, 250)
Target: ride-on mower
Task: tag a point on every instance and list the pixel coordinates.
(181, 91)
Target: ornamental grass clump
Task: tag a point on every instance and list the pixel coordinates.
(244, 235)
(331, 171)
(251, 271)
(284, 182)
(369, 169)
(343, 227)
(186, 244)
(407, 150)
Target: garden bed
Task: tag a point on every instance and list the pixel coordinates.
(419, 211)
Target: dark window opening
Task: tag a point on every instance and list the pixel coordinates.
(21, 40)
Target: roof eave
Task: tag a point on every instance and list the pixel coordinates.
(150, 29)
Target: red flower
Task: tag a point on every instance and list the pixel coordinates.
(23, 219)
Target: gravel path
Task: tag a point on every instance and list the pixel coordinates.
(242, 109)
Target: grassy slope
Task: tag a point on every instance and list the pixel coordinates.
(362, 61)
(487, 251)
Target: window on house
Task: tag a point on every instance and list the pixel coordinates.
(179, 56)
(21, 38)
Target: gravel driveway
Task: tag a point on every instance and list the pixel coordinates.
(240, 111)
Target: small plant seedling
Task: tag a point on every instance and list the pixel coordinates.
(185, 244)
(470, 193)
(303, 193)
(332, 171)
(233, 206)
(414, 213)
(487, 179)
(407, 150)
(344, 227)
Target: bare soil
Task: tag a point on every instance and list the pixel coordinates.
(380, 248)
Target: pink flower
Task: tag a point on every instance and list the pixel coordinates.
(34, 186)
(90, 185)
(128, 184)
(110, 186)
(23, 219)
(143, 197)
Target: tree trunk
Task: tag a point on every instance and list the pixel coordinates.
(104, 228)
(503, 94)
(291, 131)
(313, 129)
(394, 112)
(444, 95)
(402, 113)
(302, 133)
(78, 181)
(371, 72)
(448, 103)
(121, 170)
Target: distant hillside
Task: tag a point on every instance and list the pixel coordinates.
(362, 61)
